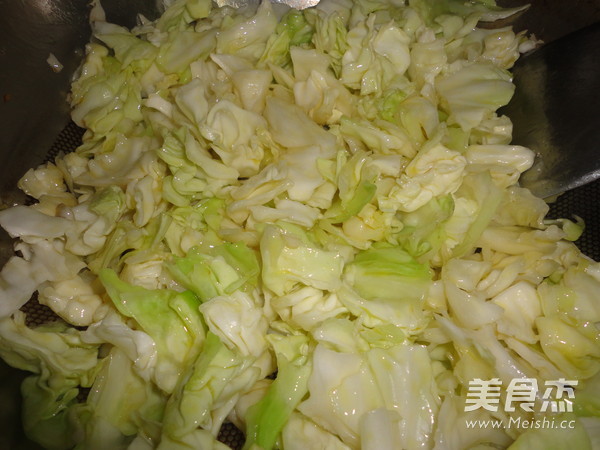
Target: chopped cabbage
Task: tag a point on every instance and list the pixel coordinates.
(308, 223)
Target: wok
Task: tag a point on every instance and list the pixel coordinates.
(34, 114)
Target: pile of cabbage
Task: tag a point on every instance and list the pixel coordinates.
(307, 223)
